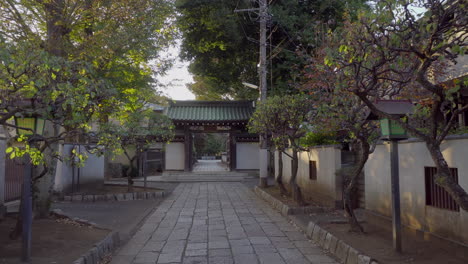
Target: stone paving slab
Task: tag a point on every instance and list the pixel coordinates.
(218, 223)
(210, 165)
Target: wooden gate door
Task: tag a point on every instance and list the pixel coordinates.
(14, 173)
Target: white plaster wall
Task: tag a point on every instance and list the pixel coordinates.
(327, 187)
(175, 156)
(377, 179)
(122, 159)
(413, 157)
(91, 173)
(247, 156)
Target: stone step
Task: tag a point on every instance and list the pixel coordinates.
(202, 174)
(203, 177)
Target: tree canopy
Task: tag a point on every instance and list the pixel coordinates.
(222, 46)
(215, 42)
(78, 62)
(283, 119)
(393, 53)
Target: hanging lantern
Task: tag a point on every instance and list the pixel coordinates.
(33, 125)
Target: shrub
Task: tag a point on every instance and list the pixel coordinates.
(318, 138)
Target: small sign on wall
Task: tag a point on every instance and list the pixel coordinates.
(197, 128)
(312, 170)
(223, 128)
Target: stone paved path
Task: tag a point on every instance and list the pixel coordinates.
(209, 165)
(219, 223)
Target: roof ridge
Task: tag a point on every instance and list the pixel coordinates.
(209, 103)
(210, 110)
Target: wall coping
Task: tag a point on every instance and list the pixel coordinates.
(335, 146)
(382, 142)
(417, 140)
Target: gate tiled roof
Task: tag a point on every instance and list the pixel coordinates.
(211, 111)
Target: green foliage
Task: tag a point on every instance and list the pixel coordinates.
(223, 49)
(460, 130)
(35, 155)
(318, 138)
(393, 53)
(404, 58)
(135, 129)
(214, 42)
(214, 145)
(80, 61)
(282, 117)
(298, 29)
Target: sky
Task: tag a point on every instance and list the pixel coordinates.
(176, 78)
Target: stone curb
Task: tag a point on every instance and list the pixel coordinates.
(113, 197)
(326, 240)
(100, 250)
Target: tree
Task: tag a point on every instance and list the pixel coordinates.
(282, 117)
(214, 144)
(79, 62)
(339, 110)
(394, 53)
(222, 46)
(136, 130)
(221, 56)
(301, 27)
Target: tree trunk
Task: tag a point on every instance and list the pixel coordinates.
(129, 171)
(43, 187)
(140, 162)
(350, 192)
(443, 177)
(56, 27)
(129, 176)
(145, 179)
(55, 45)
(279, 178)
(296, 190)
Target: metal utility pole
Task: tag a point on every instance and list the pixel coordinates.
(262, 72)
(394, 169)
(26, 212)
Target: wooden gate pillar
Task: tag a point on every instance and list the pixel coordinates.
(232, 151)
(187, 149)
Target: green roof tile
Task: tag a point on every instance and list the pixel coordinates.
(214, 111)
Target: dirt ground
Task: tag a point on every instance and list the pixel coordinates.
(377, 241)
(112, 189)
(273, 190)
(53, 241)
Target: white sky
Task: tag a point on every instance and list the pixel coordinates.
(176, 78)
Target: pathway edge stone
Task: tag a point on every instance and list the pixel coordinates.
(326, 240)
(100, 250)
(129, 196)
